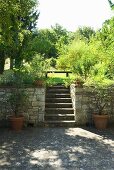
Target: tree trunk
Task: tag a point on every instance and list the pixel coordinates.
(2, 64)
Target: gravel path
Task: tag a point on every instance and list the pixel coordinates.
(57, 149)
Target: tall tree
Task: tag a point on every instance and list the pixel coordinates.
(49, 41)
(84, 33)
(18, 19)
(44, 43)
(63, 37)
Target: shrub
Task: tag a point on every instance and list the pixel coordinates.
(78, 58)
(7, 78)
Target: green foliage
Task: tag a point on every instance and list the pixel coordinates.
(99, 80)
(102, 96)
(27, 77)
(101, 92)
(49, 42)
(18, 101)
(38, 66)
(51, 63)
(34, 70)
(84, 33)
(59, 80)
(16, 78)
(17, 18)
(27, 74)
(78, 58)
(62, 63)
(102, 47)
(62, 36)
(44, 43)
(111, 4)
(7, 78)
(99, 69)
(90, 58)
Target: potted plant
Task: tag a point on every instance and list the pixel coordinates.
(39, 81)
(101, 96)
(79, 82)
(18, 102)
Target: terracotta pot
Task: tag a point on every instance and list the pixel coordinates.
(17, 123)
(100, 121)
(39, 83)
(78, 83)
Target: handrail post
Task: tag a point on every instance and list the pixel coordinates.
(66, 74)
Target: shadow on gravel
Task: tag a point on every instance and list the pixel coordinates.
(57, 148)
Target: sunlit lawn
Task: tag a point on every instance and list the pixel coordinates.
(59, 78)
(62, 75)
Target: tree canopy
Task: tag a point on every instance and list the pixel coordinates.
(17, 20)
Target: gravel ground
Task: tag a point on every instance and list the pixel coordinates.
(57, 149)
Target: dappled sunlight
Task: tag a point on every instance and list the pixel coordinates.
(6, 147)
(109, 142)
(43, 156)
(4, 162)
(54, 158)
(53, 163)
(75, 150)
(89, 135)
(82, 133)
(78, 149)
(56, 148)
(27, 150)
(5, 150)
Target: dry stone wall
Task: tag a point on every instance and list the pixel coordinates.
(83, 100)
(35, 111)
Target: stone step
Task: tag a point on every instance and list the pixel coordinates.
(58, 100)
(59, 116)
(60, 123)
(58, 105)
(57, 95)
(59, 111)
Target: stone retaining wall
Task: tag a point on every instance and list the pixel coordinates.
(35, 111)
(82, 100)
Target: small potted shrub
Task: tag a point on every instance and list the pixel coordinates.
(39, 81)
(102, 97)
(18, 102)
(79, 82)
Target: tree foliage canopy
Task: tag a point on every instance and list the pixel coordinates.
(90, 58)
(17, 20)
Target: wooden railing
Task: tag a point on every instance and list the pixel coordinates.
(65, 72)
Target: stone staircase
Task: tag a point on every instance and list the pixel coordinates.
(58, 107)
